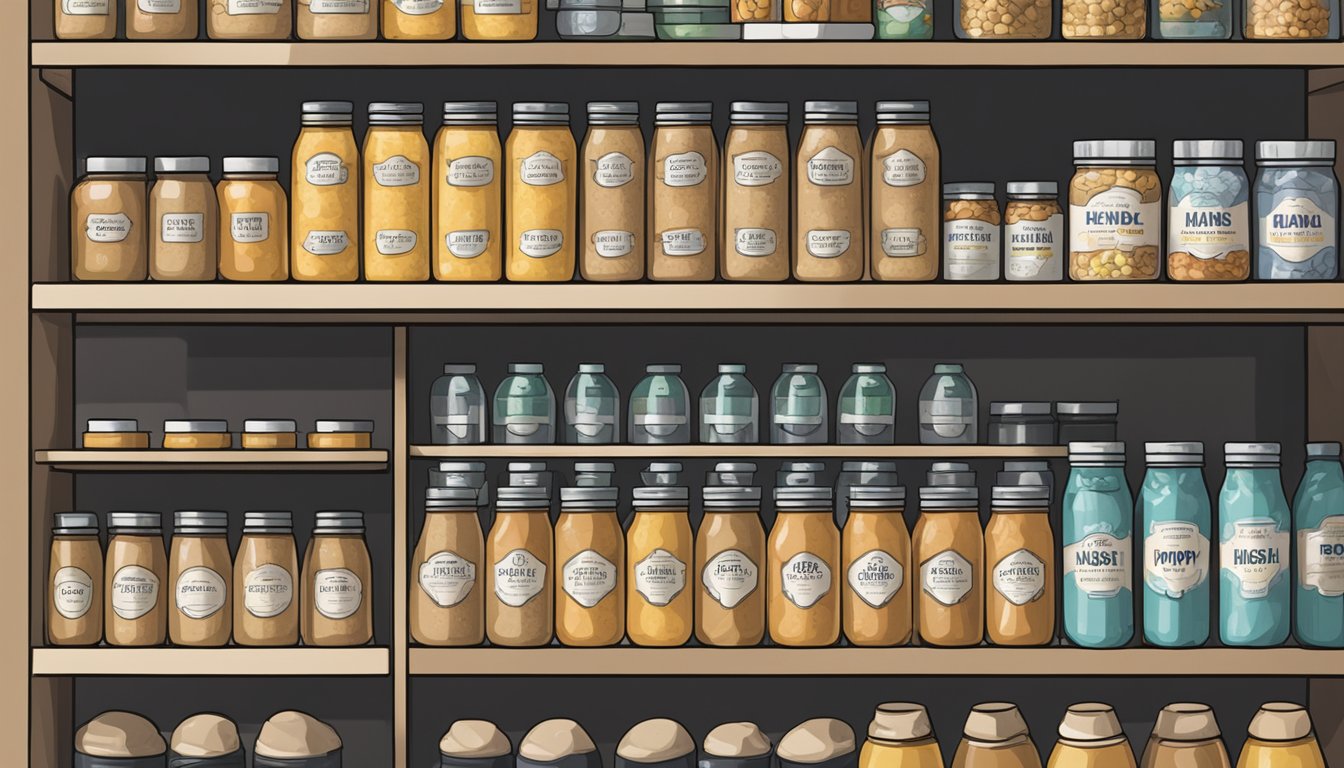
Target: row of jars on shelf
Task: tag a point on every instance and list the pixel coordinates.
(196, 594)
(950, 583)
(288, 739)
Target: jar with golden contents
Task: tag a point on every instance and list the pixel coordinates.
(136, 604)
(611, 213)
(396, 193)
(468, 202)
(1208, 212)
(875, 545)
(1005, 19)
(86, 19)
(520, 597)
(447, 599)
(828, 195)
(540, 191)
(1106, 19)
(590, 548)
(949, 549)
(807, 11)
(659, 550)
(1296, 20)
(729, 555)
(1090, 736)
(419, 19)
(265, 572)
(253, 221)
(1033, 232)
(161, 19)
(1115, 211)
(803, 555)
(1185, 734)
(337, 597)
(336, 19)
(749, 11)
(904, 238)
(499, 19)
(756, 241)
(1192, 19)
(972, 248)
(1020, 567)
(75, 581)
(324, 184)
(183, 220)
(249, 19)
(200, 570)
(683, 194)
(108, 238)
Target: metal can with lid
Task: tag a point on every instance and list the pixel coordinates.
(1021, 423)
(342, 435)
(114, 433)
(270, 434)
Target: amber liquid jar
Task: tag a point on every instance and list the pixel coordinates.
(729, 555)
(949, 552)
(108, 221)
(876, 551)
(589, 577)
(803, 559)
(1020, 568)
(519, 603)
(659, 550)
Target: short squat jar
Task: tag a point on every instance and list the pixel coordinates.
(253, 221)
(972, 248)
(1004, 19)
(1208, 213)
(1299, 20)
(1115, 211)
(1297, 211)
(107, 220)
(1192, 19)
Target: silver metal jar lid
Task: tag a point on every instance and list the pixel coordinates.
(592, 368)
(759, 113)
(803, 496)
(181, 165)
(1032, 188)
(598, 497)
(339, 521)
(1026, 466)
(1295, 150)
(470, 112)
(799, 473)
(461, 466)
(146, 521)
(1323, 450)
(1037, 408)
(1251, 454)
(527, 368)
(731, 496)
(1125, 151)
(868, 466)
(733, 368)
(948, 496)
(969, 190)
(731, 473)
(1021, 496)
(327, 426)
(868, 368)
(251, 165)
(1107, 408)
(1190, 454)
(113, 425)
(902, 112)
(663, 368)
(277, 521)
(950, 474)
(523, 497)
(593, 474)
(541, 113)
(75, 524)
(830, 111)
(190, 521)
(799, 368)
(318, 113)
(1096, 454)
(1208, 149)
(673, 112)
(210, 426)
(613, 112)
(270, 426)
(876, 496)
(396, 113)
(114, 165)
(459, 369)
(464, 493)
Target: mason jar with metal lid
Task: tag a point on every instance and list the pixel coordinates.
(419, 19)
(499, 19)
(1098, 541)
(1297, 210)
(467, 199)
(337, 582)
(684, 195)
(107, 220)
(136, 603)
(197, 434)
(75, 580)
(1033, 229)
(200, 570)
(396, 193)
(730, 410)
(803, 553)
(1021, 423)
(660, 407)
(1255, 545)
(589, 586)
(729, 555)
(904, 188)
(1020, 565)
(253, 221)
(265, 571)
(828, 194)
(270, 434)
(541, 192)
(660, 550)
(336, 19)
(592, 407)
(524, 409)
(756, 190)
(1177, 523)
(1208, 212)
(972, 248)
(457, 407)
(183, 218)
(612, 209)
(948, 544)
(799, 411)
(1115, 211)
(324, 187)
(875, 552)
(867, 408)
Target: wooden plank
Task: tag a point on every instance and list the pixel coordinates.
(400, 548)
(741, 451)
(198, 662)
(81, 460)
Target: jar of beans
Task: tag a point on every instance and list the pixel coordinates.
(972, 248)
(1291, 20)
(1033, 232)
(1208, 212)
(1115, 211)
(1192, 19)
(1003, 19)
(1104, 19)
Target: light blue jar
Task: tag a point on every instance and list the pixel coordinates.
(729, 408)
(799, 409)
(1255, 525)
(1177, 522)
(949, 411)
(1296, 210)
(1098, 543)
(660, 408)
(867, 409)
(592, 407)
(1318, 515)
(524, 411)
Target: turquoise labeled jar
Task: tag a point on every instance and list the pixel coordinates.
(1253, 547)
(1177, 522)
(1098, 544)
(1318, 518)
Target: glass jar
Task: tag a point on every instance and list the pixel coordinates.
(799, 407)
(200, 570)
(419, 19)
(972, 248)
(612, 209)
(1020, 567)
(949, 546)
(1301, 20)
(660, 408)
(1090, 736)
(867, 407)
(499, 19)
(540, 190)
(161, 19)
(1318, 519)
(396, 193)
(592, 407)
(1097, 536)
(1281, 733)
(1015, 20)
(136, 604)
(683, 194)
(588, 19)
(900, 736)
(904, 20)
(468, 203)
(1088, 422)
(875, 550)
(1033, 231)
(86, 19)
(881, 474)
(828, 194)
(590, 586)
(447, 606)
(659, 545)
(184, 216)
(1208, 213)
(1115, 211)
(904, 173)
(253, 221)
(249, 19)
(730, 411)
(324, 244)
(1029, 423)
(756, 191)
(1176, 520)
(336, 19)
(1185, 734)
(107, 220)
(520, 597)
(1254, 582)
(949, 411)
(1297, 209)
(803, 556)
(524, 411)
(729, 554)
(1192, 19)
(75, 581)
(754, 11)
(1107, 20)
(265, 605)
(338, 587)
(457, 407)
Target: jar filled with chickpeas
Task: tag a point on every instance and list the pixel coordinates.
(972, 249)
(1291, 20)
(1004, 19)
(1208, 212)
(1104, 19)
(749, 11)
(1033, 232)
(1115, 211)
(1192, 19)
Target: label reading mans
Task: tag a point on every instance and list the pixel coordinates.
(268, 591)
(1175, 558)
(337, 593)
(447, 578)
(876, 576)
(1256, 556)
(589, 577)
(519, 577)
(1100, 564)
(1321, 560)
(805, 579)
(947, 577)
(135, 591)
(200, 592)
(660, 577)
(729, 577)
(72, 592)
(1020, 577)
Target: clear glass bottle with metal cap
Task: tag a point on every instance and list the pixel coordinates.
(875, 551)
(1296, 210)
(253, 221)
(396, 193)
(1318, 520)
(86, 19)
(949, 410)
(996, 734)
(729, 555)
(524, 411)
(659, 548)
(1254, 548)
(468, 214)
(660, 408)
(324, 190)
(1199, 20)
(457, 407)
(590, 553)
(1281, 733)
(1208, 212)
(1020, 567)
(804, 559)
(1090, 736)
(136, 604)
(336, 19)
(200, 570)
(989, 20)
(828, 195)
(684, 194)
(905, 234)
(881, 474)
(541, 194)
(419, 19)
(183, 220)
(612, 209)
(1033, 233)
(756, 242)
(592, 407)
(520, 598)
(1185, 734)
(75, 581)
(730, 410)
(499, 19)
(867, 407)
(1303, 20)
(108, 222)
(1177, 522)
(799, 407)
(972, 247)
(900, 736)
(1115, 211)
(161, 20)
(338, 588)
(1097, 537)
(447, 605)
(949, 553)
(265, 575)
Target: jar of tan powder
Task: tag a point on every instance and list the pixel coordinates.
(520, 596)
(683, 194)
(336, 19)
(183, 220)
(447, 606)
(119, 739)
(296, 740)
(136, 607)
(161, 19)
(475, 744)
(337, 582)
(249, 19)
(107, 220)
(253, 221)
(265, 611)
(206, 741)
(904, 169)
(828, 197)
(611, 205)
(756, 192)
(86, 19)
(75, 581)
(200, 570)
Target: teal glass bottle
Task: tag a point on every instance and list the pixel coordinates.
(1254, 529)
(1177, 522)
(1098, 542)
(1318, 518)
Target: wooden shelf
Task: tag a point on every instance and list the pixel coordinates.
(973, 662)
(687, 54)
(212, 461)
(740, 451)
(198, 662)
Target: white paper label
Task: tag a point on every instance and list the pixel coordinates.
(497, 7)
(468, 243)
(729, 577)
(254, 7)
(1256, 555)
(1175, 558)
(660, 577)
(471, 171)
(182, 227)
(395, 242)
(1100, 564)
(396, 171)
(159, 6)
(972, 249)
(85, 7)
(1297, 229)
(540, 243)
(1020, 577)
(903, 242)
(337, 593)
(326, 169)
(250, 227)
(1115, 219)
(519, 577)
(541, 169)
(683, 242)
(805, 579)
(754, 241)
(1208, 233)
(326, 242)
(338, 6)
(613, 243)
(876, 576)
(201, 592)
(903, 168)
(830, 168)
(1032, 249)
(947, 577)
(756, 169)
(827, 243)
(1321, 557)
(107, 227)
(589, 577)
(71, 592)
(418, 7)
(447, 578)
(267, 591)
(135, 591)
(613, 170)
(686, 169)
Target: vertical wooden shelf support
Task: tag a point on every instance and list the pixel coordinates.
(400, 547)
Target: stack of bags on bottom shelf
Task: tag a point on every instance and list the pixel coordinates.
(126, 740)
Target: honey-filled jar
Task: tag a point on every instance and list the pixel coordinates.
(324, 184)
(253, 221)
(949, 550)
(1281, 734)
(875, 548)
(659, 547)
(1090, 737)
(183, 220)
(467, 200)
(419, 19)
(540, 192)
(499, 19)
(1115, 211)
(1020, 567)
(803, 556)
(589, 544)
(520, 551)
(729, 555)
(396, 193)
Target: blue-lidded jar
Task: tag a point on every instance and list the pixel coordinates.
(1318, 518)
(1098, 542)
(1255, 525)
(1297, 211)
(1177, 522)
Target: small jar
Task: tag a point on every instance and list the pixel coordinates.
(107, 220)
(1012, 20)
(184, 218)
(904, 187)
(683, 194)
(541, 192)
(161, 19)
(972, 249)
(1208, 213)
(419, 19)
(1192, 19)
(114, 433)
(1033, 233)
(253, 221)
(200, 570)
(396, 193)
(1299, 20)
(1108, 20)
(867, 409)
(341, 435)
(1087, 422)
(799, 408)
(1115, 212)
(828, 195)
(208, 435)
(587, 19)
(265, 605)
(249, 19)
(756, 191)
(611, 211)
(1297, 210)
(592, 407)
(949, 411)
(324, 187)
(904, 20)
(468, 201)
(499, 19)
(524, 411)
(1021, 424)
(754, 11)
(75, 581)
(660, 408)
(457, 407)
(336, 19)
(730, 411)
(337, 607)
(136, 606)
(270, 434)
(86, 19)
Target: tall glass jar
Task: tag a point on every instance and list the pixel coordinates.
(659, 547)
(524, 411)
(200, 570)
(1115, 211)
(253, 221)
(161, 19)
(520, 553)
(1208, 213)
(875, 552)
(265, 574)
(905, 236)
(499, 19)
(107, 220)
(683, 194)
(336, 19)
(1020, 567)
(1014, 20)
(972, 246)
(1256, 525)
(729, 408)
(866, 413)
(419, 19)
(1297, 210)
(1033, 232)
(660, 408)
(611, 209)
(135, 593)
(592, 407)
(1107, 20)
(324, 191)
(249, 19)
(803, 556)
(949, 411)
(1318, 519)
(1177, 522)
(799, 409)
(1097, 535)
(1301, 20)
(467, 198)
(828, 195)
(756, 189)
(86, 19)
(396, 193)
(590, 582)
(540, 193)
(183, 220)
(75, 581)
(447, 598)
(949, 552)
(729, 555)
(457, 407)
(1192, 19)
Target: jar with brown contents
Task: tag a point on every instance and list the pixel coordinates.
(86, 19)
(1185, 734)
(803, 555)
(337, 597)
(324, 189)
(755, 245)
(1033, 232)
(995, 734)
(1115, 212)
(253, 221)
(949, 549)
(1291, 20)
(1105, 19)
(904, 170)
(748, 11)
(1004, 19)
(590, 551)
(1020, 567)
(183, 220)
(829, 195)
(200, 570)
(265, 605)
(1208, 212)
(659, 549)
(519, 601)
(107, 220)
(136, 606)
(611, 203)
(75, 581)
(249, 19)
(447, 603)
(683, 194)
(336, 19)
(729, 553)
(972, 248)
(807, 11)
(161, 19)
(875, 547)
